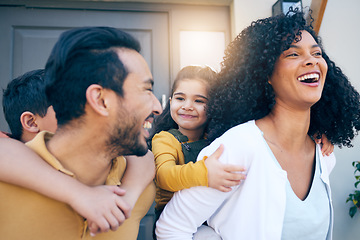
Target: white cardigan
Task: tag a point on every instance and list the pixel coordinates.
(253, 210)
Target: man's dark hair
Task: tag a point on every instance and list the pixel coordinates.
(81, 57)
(24, 93)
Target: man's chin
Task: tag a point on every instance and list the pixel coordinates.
(140, 151)
(141, 147)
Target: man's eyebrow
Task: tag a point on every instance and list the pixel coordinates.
(149, 81)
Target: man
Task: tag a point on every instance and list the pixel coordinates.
(101, 90)
(28, 112)
(26, 108)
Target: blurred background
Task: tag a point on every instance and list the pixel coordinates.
(176, 33)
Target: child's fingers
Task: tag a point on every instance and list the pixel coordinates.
(231, 183)
(327, 150)
(119, 215)
(233, 179)
(116, 189)
(109, 221)
(218, 152)
(114, 221)
(225, 185)
(233, 168)
(123, 207)
(119, 191)
(326, 147)
(231, 176)
(101, 226)
(224, 189)
(324, 151)
(93, 228)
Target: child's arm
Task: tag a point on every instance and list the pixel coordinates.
(140, 171)
(174, 177)
(19, 165)
(326, 147)
(222, 176)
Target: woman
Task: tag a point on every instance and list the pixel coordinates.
(277, 87)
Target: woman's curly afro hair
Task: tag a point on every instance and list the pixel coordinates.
(242, 92)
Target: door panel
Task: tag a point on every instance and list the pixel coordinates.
(31, 48)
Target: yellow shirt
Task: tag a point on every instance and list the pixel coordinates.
(172, 174)
(25, 214)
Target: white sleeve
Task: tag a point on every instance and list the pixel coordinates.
(189, 208)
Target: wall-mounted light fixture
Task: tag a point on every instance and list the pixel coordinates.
(282, 6)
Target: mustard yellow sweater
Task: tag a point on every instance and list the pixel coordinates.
(171, 173)
(25, 214)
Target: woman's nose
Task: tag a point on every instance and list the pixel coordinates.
(311, 61)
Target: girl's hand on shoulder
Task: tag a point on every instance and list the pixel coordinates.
(222, 176)
(326, 147)
(103, 207)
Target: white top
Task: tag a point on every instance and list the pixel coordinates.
(307, 219)
(254, 209)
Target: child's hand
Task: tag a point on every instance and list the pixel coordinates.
(222, 176)
(326, 147)
(103, 208)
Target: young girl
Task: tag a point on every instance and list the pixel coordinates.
(180, 134)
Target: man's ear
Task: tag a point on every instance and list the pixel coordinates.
(28, 122)
(96, 97)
